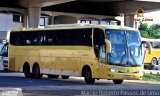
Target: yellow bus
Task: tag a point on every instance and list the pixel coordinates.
(152, 59)
(83, 50)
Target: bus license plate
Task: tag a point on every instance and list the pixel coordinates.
(127, 76)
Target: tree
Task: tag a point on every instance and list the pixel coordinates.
(154, 30)
(143, 28)
(149, 32)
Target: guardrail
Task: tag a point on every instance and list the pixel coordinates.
(154, 72)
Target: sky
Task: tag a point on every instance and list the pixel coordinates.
(155, 15)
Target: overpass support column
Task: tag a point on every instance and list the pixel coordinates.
(129, 20)
(52, 20)
(25, 18)
(34, 16)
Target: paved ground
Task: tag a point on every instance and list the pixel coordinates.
(76, 86)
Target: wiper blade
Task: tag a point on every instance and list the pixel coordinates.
(126, 65)
(135, 65)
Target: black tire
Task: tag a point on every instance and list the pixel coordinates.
(64, 77)
(117, 81)
(36, 72)
(26, 71)
(88, 77)
(53, 76)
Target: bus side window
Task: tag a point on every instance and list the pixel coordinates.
(28, 42)
(49, 38)
(69, 38)
(20, 39)
(89, 38)
(59, 37)
(35, 38)
(85, 37)
(14, 38)
(98, 40)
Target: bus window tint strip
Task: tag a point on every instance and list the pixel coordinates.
(51, 37)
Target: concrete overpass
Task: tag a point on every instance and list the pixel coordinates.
(32, 9)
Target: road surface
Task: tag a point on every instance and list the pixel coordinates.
(76, 86)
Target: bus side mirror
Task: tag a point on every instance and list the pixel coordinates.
(108, 46)
(149, 46)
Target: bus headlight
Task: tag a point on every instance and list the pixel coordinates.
(112, 70)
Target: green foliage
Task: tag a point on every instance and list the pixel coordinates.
(143, 26)
(152, 31)
(151, 77)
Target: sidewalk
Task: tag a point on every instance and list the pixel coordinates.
(142, 82)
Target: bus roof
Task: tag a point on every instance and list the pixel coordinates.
(75, 26)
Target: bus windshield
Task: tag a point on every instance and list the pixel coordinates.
(126, 48)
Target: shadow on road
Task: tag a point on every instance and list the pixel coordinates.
(16, 81)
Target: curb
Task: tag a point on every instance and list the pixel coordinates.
(142, 82)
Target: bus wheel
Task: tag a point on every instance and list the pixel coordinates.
(26, 71)
(117, 81)
(88, 77)
(53, 76)
(64, 77)
(36, 72)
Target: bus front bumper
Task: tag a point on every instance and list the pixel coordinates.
(125, 76)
